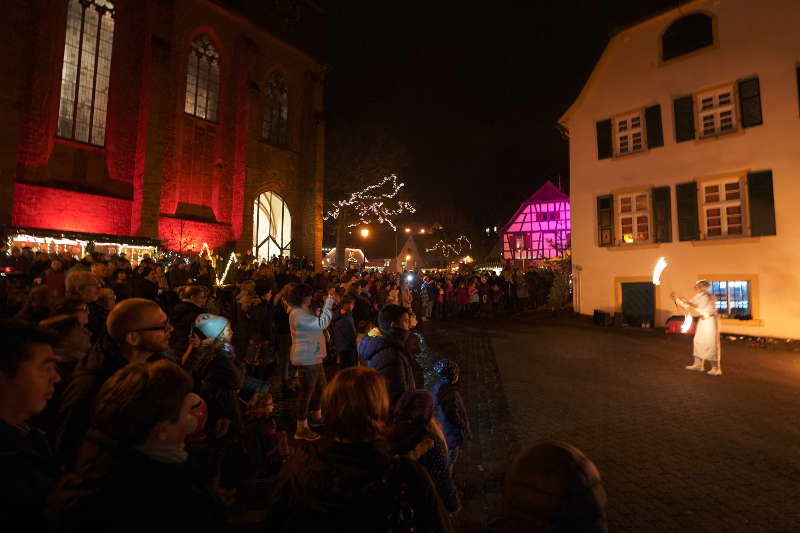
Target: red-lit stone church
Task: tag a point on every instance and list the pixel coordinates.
(186, 121)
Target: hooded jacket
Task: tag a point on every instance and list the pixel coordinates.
(388, 355)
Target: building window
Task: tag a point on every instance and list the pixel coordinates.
(716, 113)
(722, 208)
(634, 218)
(202, 80)
(687, 34)
(547, 216)
(734, 299)
(629, 134)
(276, 111)
(272, 226)
(519, 241)
(86, 71)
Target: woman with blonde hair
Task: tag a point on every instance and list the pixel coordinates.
(350, 481)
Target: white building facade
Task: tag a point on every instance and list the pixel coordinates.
(685, 144)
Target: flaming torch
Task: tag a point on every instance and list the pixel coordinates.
(687, 324)
(660, 266)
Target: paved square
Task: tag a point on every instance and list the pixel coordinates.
(678, 450)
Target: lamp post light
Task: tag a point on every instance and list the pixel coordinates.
(365, 233)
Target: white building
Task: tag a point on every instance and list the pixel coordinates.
(684, 144)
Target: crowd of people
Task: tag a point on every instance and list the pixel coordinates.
(142, 396)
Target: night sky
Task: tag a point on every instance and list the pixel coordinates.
(472, 89)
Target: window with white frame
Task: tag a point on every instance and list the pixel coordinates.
(734, 298)
(634, 218)
(722, 208)
(716, 111)
(629, 133)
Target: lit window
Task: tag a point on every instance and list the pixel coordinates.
(276, 111)
(86, 70)
(629, 133)
(202, 80)
(519, 240)
(634, 218)
(272, 226)
(722, 208)
(716, 112)
(733, 298)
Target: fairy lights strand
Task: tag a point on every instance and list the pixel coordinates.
(448, 250)
(369, 204)
(231, 259)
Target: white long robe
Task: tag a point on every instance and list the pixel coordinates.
(706, 337)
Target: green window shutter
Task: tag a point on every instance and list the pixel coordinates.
(652, 121)
(605, 220)
(662, 215)
(684, 118)
(761, 201)
(605, 148)
(688, 221)
(750, 102)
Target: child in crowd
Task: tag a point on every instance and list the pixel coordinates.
(450, 410)
(266, 446)
(344, 332)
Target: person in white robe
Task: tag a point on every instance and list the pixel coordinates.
(706, 338)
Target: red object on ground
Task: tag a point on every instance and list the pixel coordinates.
(675, 322)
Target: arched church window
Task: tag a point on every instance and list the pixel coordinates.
(272, 226)
(687, 34)
(276, 111)
(86, 70)
(202, 79)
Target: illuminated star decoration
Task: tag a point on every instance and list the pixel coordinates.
(369, 204)
(448, 250)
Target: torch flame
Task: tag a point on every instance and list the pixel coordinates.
(660, 266)
(687, 323)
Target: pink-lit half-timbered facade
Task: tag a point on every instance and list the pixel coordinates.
(540, 228)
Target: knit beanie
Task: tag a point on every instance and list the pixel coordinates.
(210, 325)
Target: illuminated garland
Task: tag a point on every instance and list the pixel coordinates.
(369, 204)
(231, 259)
(448, 250)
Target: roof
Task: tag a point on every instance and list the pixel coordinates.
(546, 193)
(615, 38)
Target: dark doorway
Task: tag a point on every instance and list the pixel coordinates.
(638, 303)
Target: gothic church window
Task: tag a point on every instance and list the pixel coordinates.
(85, 73)
(202, 80)
(275, 129)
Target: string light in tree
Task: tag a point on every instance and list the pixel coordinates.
(369, 204)
(448, 250)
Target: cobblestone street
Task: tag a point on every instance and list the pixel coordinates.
(678, 450)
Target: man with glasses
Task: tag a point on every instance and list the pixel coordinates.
(137, 331)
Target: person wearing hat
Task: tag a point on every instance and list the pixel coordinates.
(706, 336)
(218, 373)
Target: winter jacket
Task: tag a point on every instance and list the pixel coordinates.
(125, 491)
(77, 406)
(29, 473)
(182, 319)
(451, 414)
(218, 377)
(308, 340)
(333, 486)
(344, 332)
(388, 355)
(415, 441)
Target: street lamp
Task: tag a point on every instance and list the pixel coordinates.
(408, 230)
(365, 232)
